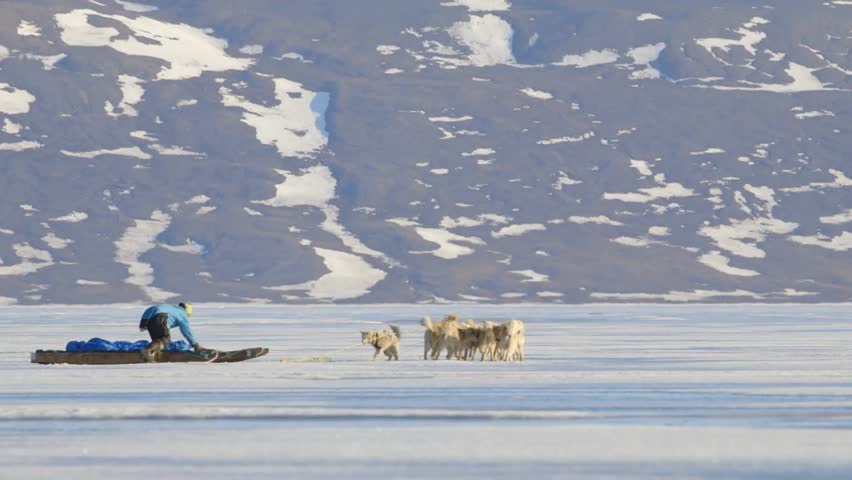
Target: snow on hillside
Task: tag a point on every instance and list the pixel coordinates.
(608, 152)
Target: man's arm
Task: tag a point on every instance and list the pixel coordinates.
(186, 330)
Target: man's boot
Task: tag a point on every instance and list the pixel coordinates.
(149, 353)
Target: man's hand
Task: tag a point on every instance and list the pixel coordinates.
(198, 348)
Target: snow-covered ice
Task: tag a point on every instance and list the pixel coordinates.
(635, 391)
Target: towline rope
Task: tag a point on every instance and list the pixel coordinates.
(323, 358)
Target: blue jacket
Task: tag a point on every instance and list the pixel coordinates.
(177, 318)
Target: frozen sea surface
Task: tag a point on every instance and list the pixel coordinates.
(650, 391)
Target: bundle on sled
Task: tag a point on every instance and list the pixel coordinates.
(98, 351)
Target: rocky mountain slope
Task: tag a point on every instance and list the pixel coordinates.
(455, 150)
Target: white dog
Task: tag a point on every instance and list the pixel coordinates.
(450, 339)
(386, 341)
(441, 336)
(511, 340)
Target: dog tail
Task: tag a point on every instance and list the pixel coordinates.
(396, 331)
(427, 322)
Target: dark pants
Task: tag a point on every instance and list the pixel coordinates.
(158, 328)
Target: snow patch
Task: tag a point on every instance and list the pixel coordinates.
(198, 200)
(748, 39)
(132, 92)
(11, 127)
(48, 62)
(480, 5)
(721, 263)
(518, 230)
(252, 50)
(314, 187)
(564, 180)
(175, 151)
(294, 56)
(387, 49)
(840, 181)
(803, 81)
(187, 50)
(598, 220)
(296, 126)
(55, 242)
(489, 39)
(813, 114)
(568, 139)
(589, 59)
(642, 167)
(643, 57)
(28, 29)
(32, 260)
(191, 247)
(448, 243)
(480, 152)
(709, 151)
(648, 16)
(134, 152)
(632, 241)
(840, 243)
(20, 146)
(73, 217)
(13, 100)
(531, 276)
(467, 222)
(531, 92)
(464, 118)
(137, 240)
(650, 194)
(136, 7)
(143, 135)
(741, 237)
(839, 218)
(349, 277)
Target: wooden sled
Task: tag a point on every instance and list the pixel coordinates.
(116, 358)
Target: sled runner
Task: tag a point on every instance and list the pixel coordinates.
(115, 358)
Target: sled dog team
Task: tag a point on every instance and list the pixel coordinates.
(461, 340)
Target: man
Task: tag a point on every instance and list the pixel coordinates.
(157, 320)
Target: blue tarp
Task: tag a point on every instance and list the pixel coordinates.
(101, 345)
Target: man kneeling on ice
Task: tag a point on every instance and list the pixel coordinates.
(157, 320)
